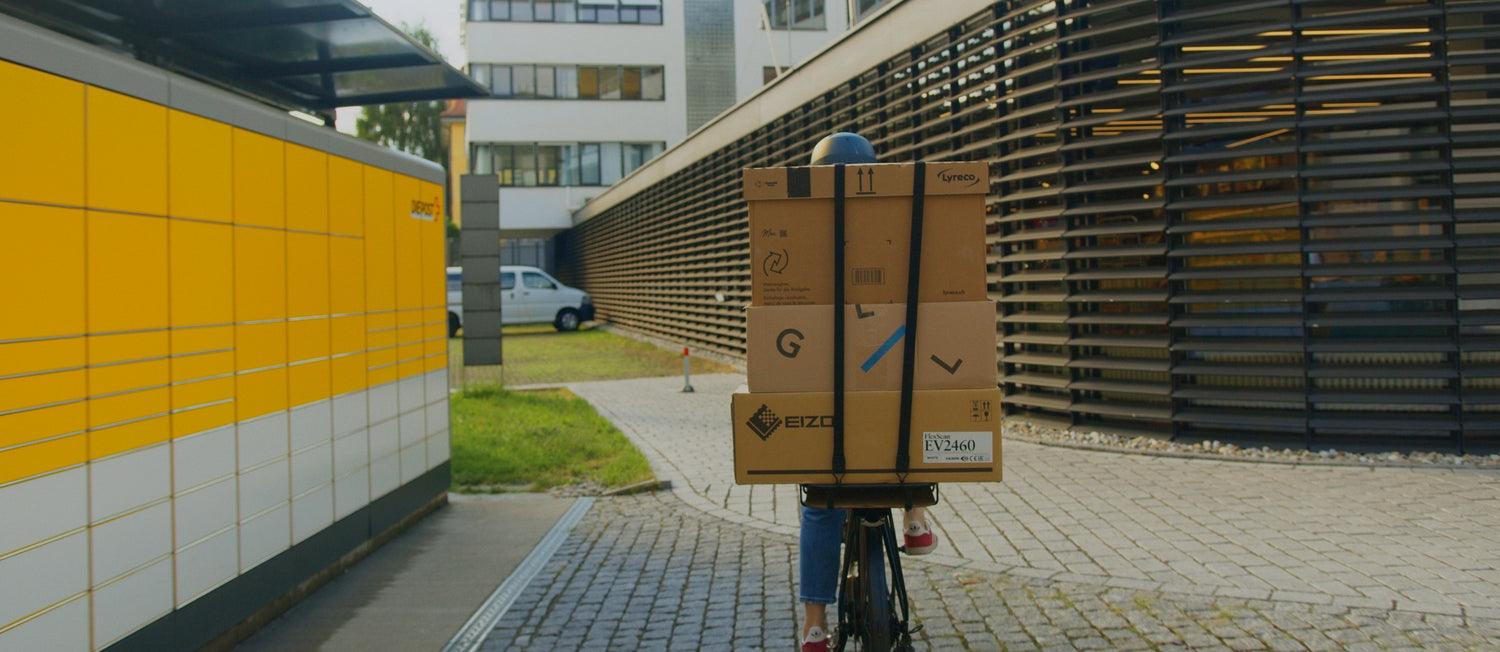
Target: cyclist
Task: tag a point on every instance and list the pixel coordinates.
(822, 530)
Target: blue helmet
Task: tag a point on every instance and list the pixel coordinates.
(842, 147)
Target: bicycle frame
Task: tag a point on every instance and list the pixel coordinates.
(872, 601)
(873, 605)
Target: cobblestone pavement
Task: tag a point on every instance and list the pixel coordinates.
(1397, 545)
(651, 572)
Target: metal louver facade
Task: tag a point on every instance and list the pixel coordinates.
(1275, 221)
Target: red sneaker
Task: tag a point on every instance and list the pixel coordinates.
(816, 641)
(920, 539)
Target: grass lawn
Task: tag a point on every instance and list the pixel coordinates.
(539, 355)
(536, 440)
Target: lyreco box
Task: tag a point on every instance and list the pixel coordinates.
(786, 438)
(792, 226)
(790, 348)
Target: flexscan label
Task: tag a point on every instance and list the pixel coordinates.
(958, 448)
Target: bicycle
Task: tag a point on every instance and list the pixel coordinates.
(873, 608)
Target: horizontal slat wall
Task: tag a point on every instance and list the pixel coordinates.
(1218, 218)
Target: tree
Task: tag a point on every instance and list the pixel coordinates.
(412, 127)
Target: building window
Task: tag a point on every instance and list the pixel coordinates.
(561, 164)
(636, 12)
(864, 8)
(795, 14)
(526, 81)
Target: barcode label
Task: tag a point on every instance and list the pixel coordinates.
(867, 276)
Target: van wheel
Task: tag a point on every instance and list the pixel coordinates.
(452, 325)
(567, 320)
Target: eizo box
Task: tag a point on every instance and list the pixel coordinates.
(792, 226)
(787, 438)
(790, 348)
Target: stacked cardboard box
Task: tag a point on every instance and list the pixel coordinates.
(783, 424)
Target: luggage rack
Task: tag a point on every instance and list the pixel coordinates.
(858, 496)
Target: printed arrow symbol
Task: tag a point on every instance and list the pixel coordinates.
(952, 369)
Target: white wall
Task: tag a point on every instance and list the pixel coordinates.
(582, 44)
(753, 52)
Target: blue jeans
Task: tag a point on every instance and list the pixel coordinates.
(822, 531)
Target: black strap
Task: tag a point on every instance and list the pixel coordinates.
(909, 351)
(838, 323)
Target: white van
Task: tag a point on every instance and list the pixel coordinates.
(527, 296)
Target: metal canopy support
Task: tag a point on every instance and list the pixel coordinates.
(306, 55)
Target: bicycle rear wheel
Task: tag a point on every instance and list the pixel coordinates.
(871, 589)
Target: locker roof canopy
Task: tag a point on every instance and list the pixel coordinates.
(307, 55)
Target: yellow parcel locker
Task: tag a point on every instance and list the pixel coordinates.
(42, 457)
(259, 274)
(201, 171)
(306, 189)
(346, 274)
(202, 272)
(32, 304)
(308, 382)
(307, 269)
(127, 272)
(435, 252)
(380, 259)
(35, 390)
(409, 214)
(259, 180)
(346, 196)
(127, 153)
(260, 393)
(49, 128)
(349, 373)
(259, 345)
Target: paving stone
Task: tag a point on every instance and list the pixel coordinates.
(1220, 555)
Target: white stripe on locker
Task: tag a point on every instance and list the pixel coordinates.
(413, 461)
(350, 452)
(350, 412)
(437, 418)
(383, 402)
(437, 449)
(262, 438)
(311, 424)
(203, 457)
(42, 577)
(385, 474)
(413, 426)
(312, 512)
(384, 439)
(437, 386)
(205, 510)
(312, 467)
(351, 492)
(413, 393)
(128, 542)
(124, 482)
(204, 565)
(264, 536)
(64, 629)
(132, 602)
(264, 487)
(39, 508)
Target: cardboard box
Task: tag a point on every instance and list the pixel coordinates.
(791, 233)
(790, 348)
(788, 437)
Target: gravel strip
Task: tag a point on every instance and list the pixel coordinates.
(1104, 441)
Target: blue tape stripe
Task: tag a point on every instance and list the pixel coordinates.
(884, 348)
